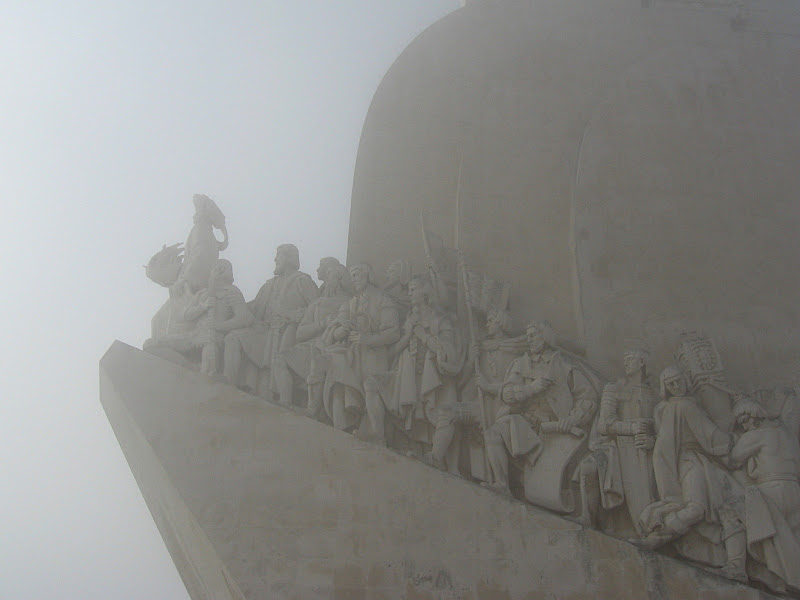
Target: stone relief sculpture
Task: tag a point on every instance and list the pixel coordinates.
(706, 472)
(701, 510)
(551, 399)
(202, 249)
(770, 455)
(425, 388)
(490, 360)
(253, 355)
(218, 309)
(616, 479)
(306, 359)
(357, 349)
(398, 275)
(177, 331)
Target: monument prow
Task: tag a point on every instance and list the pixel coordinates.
(256, 501)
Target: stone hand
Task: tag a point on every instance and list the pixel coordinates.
(644, 441)
(278, 321)
(640, 426)
(564, 425)
(539, 385)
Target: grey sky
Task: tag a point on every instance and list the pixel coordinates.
(112, 115)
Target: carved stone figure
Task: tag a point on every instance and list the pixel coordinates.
(306, 358)
(164, 268)
(219, 309)
(782, 403)
(398, 274)
(490, 360)
(706, 471)
(185, 271)
(202, 249)
(770, 455)
(550, 399)
(426, 387)
(617, 476)
(278, 308)
(701, 510)
(172, 335)
(201, 320)
(357, 349)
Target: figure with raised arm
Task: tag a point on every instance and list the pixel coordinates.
(201, 251)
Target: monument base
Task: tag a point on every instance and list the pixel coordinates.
(256, 501)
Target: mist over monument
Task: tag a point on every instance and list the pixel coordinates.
(560, 358)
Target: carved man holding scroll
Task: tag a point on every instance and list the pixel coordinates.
(550, 399)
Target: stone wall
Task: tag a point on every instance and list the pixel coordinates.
(633, 171)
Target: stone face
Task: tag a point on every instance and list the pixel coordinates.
(633, 171)
(255, 501)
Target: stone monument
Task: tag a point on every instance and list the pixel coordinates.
(619, 176)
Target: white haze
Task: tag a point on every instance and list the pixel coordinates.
(112, 114)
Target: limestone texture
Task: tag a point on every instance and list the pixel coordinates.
(631, 167)
(256, 501)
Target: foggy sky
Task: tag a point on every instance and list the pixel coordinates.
(113, 115)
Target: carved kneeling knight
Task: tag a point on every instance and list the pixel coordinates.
(701, 510)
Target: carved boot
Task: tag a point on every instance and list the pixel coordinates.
(736, 547)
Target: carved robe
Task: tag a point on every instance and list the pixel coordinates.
(686, 472)
(227, 298)
(200, 254)
(426, 383)
(305, 357)
(285, 296)
(494, 358)
(573, 392)
(625, 471)
(375, 316)
(772, 504)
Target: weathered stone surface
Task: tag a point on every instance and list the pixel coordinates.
(255, 501)
(633, 171)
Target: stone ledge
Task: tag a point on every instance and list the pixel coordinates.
(255, 501)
